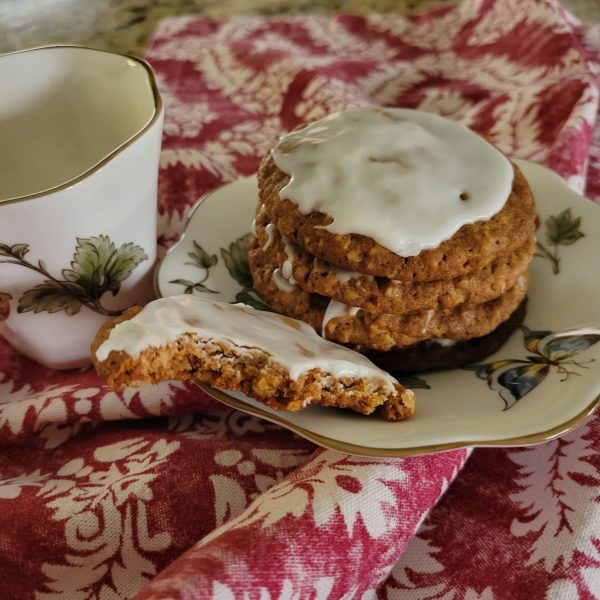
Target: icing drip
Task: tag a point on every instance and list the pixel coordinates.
(291, 343)
(269, 230)
(284, 277)
(284, 284)
(405, 178)
(335, 310)
(287, 268)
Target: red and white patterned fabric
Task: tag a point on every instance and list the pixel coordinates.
(161, 493)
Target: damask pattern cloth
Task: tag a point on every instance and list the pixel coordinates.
(162, 493)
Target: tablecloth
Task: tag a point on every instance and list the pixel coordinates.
(160, 492)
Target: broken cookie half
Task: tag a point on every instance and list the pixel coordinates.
(277, 360)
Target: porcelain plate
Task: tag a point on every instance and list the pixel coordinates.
(542, 383)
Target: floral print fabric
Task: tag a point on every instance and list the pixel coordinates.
(159, 492)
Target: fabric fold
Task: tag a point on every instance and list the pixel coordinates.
(334, 526)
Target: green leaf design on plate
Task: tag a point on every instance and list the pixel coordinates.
(189, 285)
(98, 266)
(561, 230)
(200, 287)
(411, 381)
(201, 258)
(236, 261)
(246, 297)
(50, 296)
(204, 261)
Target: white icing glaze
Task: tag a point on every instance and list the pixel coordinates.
(394, 175)
(270, 231)
(286, 271)
(287, 268)
(283, 284)
(291, 343)
(336, 309)
(284, 277)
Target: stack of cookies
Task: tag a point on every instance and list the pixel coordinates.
(396, 232)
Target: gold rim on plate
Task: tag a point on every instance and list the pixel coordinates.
(358, 450)
(188, 217)
(369, 451)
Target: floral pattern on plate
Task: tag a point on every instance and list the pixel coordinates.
(453, 408)
(561, 230)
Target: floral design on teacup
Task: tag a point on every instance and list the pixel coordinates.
(4, 305)
(561, 230)
(98, 267)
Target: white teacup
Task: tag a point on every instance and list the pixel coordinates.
(80, 134)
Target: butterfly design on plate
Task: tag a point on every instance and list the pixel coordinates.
(515, 378)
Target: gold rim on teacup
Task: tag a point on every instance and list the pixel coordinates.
(158, 105)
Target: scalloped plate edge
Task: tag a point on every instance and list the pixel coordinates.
(368, 451)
